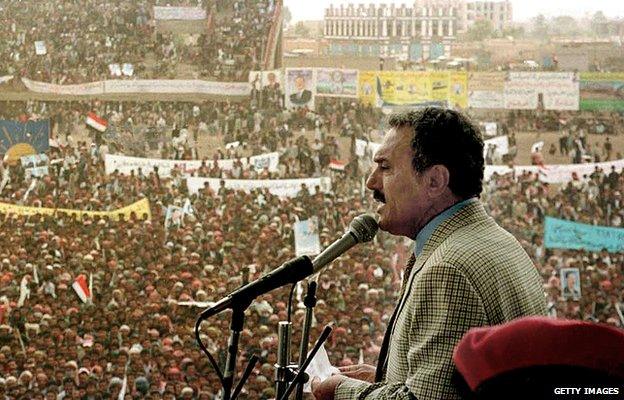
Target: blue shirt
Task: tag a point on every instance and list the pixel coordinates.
(426, 232)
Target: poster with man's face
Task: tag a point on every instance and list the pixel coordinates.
(300, 89)
(571, 283)
(266, 79)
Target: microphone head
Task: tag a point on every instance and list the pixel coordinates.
(364, 227)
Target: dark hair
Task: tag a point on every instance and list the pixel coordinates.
(446, 137)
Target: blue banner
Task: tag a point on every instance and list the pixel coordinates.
(22, 138)
(562, 234)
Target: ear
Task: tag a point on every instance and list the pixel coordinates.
(437, 180)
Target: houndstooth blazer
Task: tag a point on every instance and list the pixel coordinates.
(471, 272)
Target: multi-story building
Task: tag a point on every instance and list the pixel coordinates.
(499, 13)
(425, 31)
(415, 33)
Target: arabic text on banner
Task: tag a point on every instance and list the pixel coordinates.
(562, 234)
(125, 164)
(139, 208)
(278, 187)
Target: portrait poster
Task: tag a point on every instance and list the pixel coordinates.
(300, 88)
(571, 283)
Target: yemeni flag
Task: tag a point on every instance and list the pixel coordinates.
(82, 288)
(337, 165)
(95, 122)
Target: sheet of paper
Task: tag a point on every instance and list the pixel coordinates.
(320, 367)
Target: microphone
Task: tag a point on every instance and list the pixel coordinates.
(362, 229)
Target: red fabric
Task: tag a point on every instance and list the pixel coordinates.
(484, 353)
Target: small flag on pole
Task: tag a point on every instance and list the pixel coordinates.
(95, 122)
(82, 288)
(337, 165)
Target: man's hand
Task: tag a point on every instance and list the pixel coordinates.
(363, 372)
(325, 390)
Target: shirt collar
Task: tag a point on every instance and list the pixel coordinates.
(426, 232)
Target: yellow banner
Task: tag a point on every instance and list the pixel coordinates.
(458, 95)
(139, 208)
(405, 87)
(440, 82)
(368, 87)
(414, 87)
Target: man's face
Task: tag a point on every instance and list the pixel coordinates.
(300, 83)
(396, 184)
(571, 281)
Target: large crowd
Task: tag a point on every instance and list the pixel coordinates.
(54, 346)
(149, 280)
(80, 40)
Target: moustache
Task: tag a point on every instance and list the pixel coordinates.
(377, 195)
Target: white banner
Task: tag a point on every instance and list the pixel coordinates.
(179, 13)
(307, 240)
(92, 88)
(278, 187)
(499, 145)
(486, 99)
(5, 78)
(159, 86)
(544, 90)
(490, 129)
(40, 48)
(114, 69)
(177, 86)
(125, 164)
(556, 173)
(360, 147)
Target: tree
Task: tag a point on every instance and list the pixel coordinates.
(301, 29)
(516, 32)
(540, 27)
(286, 15)
(482, 29)
(599, 24)
(564, 25)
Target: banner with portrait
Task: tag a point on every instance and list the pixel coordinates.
(307, 240)
(334, 82)
(300, 88)
(266, 79)
(570, 283)
(367, 87)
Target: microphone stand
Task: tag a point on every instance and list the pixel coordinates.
(301, 373)
(236, 327)
(284, 371)
(310, 302)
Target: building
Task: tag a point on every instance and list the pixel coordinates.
(416, 33)
(499, 13)
(422, 32)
